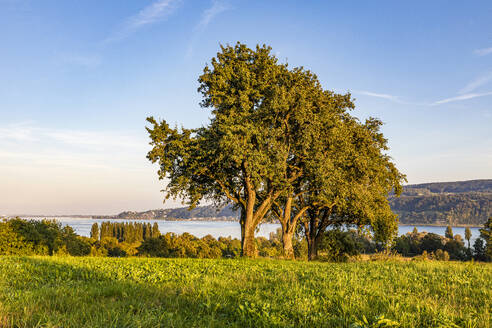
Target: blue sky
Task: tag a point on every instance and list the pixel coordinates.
(78, 79)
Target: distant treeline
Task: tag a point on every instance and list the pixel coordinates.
(446, 203)
(48, 237)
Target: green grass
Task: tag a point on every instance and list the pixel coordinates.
(133, 292)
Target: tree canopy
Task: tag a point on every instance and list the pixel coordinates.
(278, 144)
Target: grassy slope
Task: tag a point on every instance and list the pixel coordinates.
(106, 292)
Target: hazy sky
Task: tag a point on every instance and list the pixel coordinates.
(78, 79)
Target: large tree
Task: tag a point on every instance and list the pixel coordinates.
(277, 143)
(238, 157)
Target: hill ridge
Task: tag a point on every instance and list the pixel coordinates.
(466, 202)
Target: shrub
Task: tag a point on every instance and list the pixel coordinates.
(11, 243)
(339, 245)
(441, 255)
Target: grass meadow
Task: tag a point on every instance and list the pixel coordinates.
(142, 292)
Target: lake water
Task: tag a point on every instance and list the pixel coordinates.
(82, 226)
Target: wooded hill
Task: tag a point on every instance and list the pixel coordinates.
(443, 203)
(181, 213)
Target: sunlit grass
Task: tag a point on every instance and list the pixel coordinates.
(133, 292)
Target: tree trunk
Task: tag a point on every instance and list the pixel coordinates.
(312, 252)
(250, 218)
(287, 231)
(313, 245)
(248, 248)
(288, 250)
(242, 222)
(312, 249)
(313, 237)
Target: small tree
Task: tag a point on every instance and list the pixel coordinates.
(486, 234)
(95, 231)
(441, 255)
(479, 250)
(468, 236)
(155, 230)
(449, 232)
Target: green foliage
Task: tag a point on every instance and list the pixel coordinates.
(172, 245)
(155, 230)
(415, 243)
(77, 245)
(486, 235)
(378, 322)
(274, 135)
(468, 235)
(18, 236)
(237, 157)
(12, 243)
(140, 292)
(441, 255)
(479, 250)
(112, 247)
(449, 232)
(129, 232)
(95, 231)
(338, 245)
(431, 242)
(31, 237)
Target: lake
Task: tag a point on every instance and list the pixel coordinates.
(82, 226)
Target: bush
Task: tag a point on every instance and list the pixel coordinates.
(45, 237)
(441, 255)
(407, 245)
(479, 250)
(431, 243)
(11, 243)
(456, 250)
(339, 245)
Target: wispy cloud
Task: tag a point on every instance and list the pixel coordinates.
(439, 102)
(478, 82)
(483, 52)
(27, 132)
(208, 15)
(462, 97)
(155, 12)
(23, 143)
(378, 95)
(389, 97)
